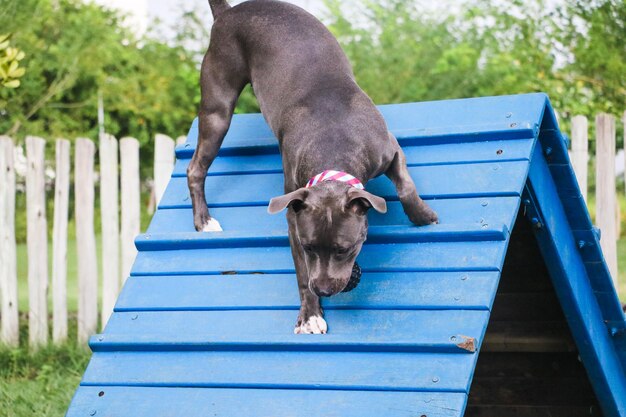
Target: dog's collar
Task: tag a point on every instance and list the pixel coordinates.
(331, 175)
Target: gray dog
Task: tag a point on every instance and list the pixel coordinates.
(323, 121)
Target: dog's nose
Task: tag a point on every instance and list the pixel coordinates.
(323, 289)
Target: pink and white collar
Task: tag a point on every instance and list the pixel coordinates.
(331, 175)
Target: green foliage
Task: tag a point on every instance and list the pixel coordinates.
(40, 383)
(402, 51)
(75, 49)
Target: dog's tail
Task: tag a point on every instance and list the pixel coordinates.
(218, 7)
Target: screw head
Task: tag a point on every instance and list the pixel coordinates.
(499, 151)
(92, 413)
(513, 125)
(508, 115)
(484, 203)
(435, 379)
(464, 277)
(134, 317)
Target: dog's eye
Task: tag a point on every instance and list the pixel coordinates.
(342, 251)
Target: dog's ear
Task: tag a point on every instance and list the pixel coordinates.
(295, 198)
(361, 200)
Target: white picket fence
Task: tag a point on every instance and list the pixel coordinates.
(607, 216)
(118, 178)
(120, 193)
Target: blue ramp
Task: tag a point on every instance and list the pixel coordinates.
(204, 325)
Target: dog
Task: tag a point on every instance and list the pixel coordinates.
(332, 139)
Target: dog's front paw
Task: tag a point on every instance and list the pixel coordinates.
(424, 216)
(212, 225)
(312, 325)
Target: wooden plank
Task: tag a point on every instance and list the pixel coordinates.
(407, 257)
(9, 332)
(426, 123)
(605, 190)
(284, 370)
(376, 234)
(37, 236)
(580, 152)
(574, 291)
(532, 391)
(528, 336)
(490, 151)
(163, 164)
(400, 290)
(439, 181)
(532, 411)
(349, 330)
(531, 365)
(109, 208)
(470, 211)
(526, 307)
(130, 202)
(59, 236)
(198, 402)
(86, 239)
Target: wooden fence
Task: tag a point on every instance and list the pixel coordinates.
(607, 216)
(119, 177)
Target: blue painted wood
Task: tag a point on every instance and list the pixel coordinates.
(376, 235)
(195, 402)
(284, 370)
(394, 291)
(575, 293)
(350, 330)
(457, 153)
(466, 211)
(439, 181)
(183, 320)
(427, 123)
(437, 256)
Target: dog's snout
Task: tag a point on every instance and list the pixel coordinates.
(324, 288)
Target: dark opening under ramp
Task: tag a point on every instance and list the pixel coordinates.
(204, 325)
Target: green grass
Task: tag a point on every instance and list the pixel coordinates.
(40, 383)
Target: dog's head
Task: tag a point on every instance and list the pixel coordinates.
(331, 226)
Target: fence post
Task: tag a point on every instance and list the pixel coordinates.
(109, 213)
(163, 164)
(580, 152)
(605, 190)
(624, 126)
(131, 216)
(59, 243)
(85, 239)
(37, 238)
(9, 333)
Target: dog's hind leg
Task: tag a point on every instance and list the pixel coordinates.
(415, 208)
(222, 78)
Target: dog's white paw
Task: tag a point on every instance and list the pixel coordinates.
(314, 325)
(212, 226)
